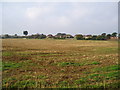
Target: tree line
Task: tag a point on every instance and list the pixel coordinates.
(102, 36)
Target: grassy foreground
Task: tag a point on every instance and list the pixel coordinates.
(34, 63)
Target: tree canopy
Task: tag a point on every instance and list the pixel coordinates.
(25, 32)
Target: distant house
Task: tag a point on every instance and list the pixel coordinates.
(69, 36)
(113, 38)
(5, 36)
(87, 36)
(60, 35)
(50, 36)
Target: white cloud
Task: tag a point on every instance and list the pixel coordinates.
(0, 19)
(59, 1)
(63, 21)
(60, 17)
(57, 22)
(35, 12)
(79, 12)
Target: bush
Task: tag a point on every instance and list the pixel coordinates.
(79, 37)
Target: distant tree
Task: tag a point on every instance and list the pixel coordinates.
(25, 33)
(101, 37)
(60, 36)
(6, 36)
(114, 34)
(37, 36)
(15, 34)
(103, 34)
(94, 37)
(108, 36)
(69, 36)
(42, 36)
(61, 33)
(79, 37)
(88, 37)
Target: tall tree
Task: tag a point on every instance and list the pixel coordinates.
(25, 33)
(108, 36)
(114, 34)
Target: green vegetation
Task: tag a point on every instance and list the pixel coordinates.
(41, 77)
(95, 63)
(103, 36)
(76, 64)
(10, 65)
(7, 54)
(107, 68)
(79, 37)
(68, 64)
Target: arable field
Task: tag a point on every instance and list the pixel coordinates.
(35, 63)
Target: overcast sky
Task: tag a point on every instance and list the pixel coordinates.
(54, 17)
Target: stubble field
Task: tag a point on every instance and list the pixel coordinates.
(34, 63)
